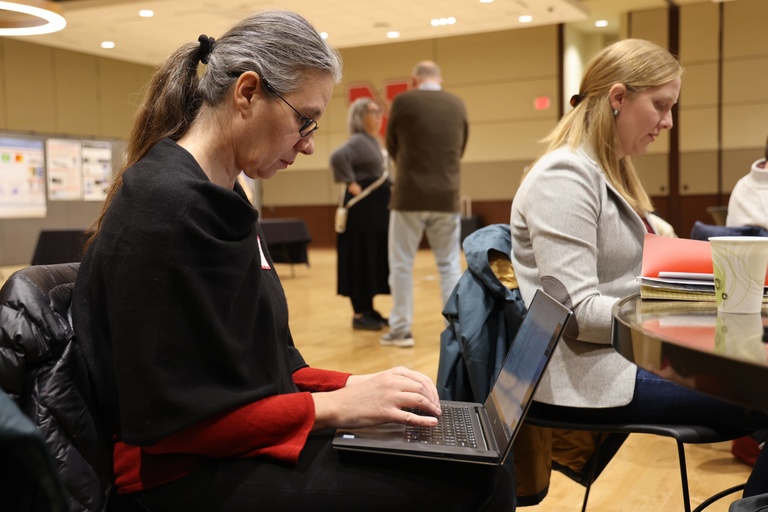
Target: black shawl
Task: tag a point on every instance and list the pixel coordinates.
(177, 316)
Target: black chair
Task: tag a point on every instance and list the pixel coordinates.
(43, 371)
(702, 231)
(682, 434)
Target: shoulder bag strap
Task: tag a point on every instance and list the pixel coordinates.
(367, 190)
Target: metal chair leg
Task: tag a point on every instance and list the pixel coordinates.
(684, 476)
(591, 475)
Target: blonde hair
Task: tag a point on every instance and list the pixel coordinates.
(637, 64)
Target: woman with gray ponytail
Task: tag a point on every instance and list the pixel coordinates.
(183, 323)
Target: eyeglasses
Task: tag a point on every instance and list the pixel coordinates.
(309, 125)
(374, 111)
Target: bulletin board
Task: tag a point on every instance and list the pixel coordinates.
(22, 178)
(34, 170)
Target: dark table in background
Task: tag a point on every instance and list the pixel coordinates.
(59, 246)
(287, 240)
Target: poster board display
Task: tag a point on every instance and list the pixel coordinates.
(64, 163)
(97, 169)
(22, 178)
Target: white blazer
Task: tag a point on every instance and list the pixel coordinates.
(574, 236)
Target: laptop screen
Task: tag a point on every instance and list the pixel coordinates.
(526, 360)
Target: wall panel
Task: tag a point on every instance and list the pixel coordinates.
(698, 23)
(698, 129)
(744, 28)
(745, 126)
(651, 24)
(698, 173)
(744, 80)
(121, 85)
(737, 163)
(492, 181)
(77, 93)
(29, 81)
(699, 85)
(506, 56)
(496, 102)
(653, 170)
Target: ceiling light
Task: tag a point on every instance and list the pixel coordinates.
(525, 19)
(107, 44)
(486, 1)
(437, 22)
(146, 13)
(324, 35)
(601, 23)
(393, 34)
(39, 17)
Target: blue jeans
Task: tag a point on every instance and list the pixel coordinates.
(658, 400)
(405, 232)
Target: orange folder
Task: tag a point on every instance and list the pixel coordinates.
(666, 254)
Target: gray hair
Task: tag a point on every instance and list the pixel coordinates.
(280, 46)
(356, 115)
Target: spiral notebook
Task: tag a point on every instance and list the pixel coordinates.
(491, 427)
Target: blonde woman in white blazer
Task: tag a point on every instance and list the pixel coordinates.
(578, 221)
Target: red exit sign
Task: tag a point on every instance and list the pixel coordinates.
(542, 102)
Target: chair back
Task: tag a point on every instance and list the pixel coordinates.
(43, 371)
(701, 231)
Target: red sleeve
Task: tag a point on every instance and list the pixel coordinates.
(277, 427)
(313, 379)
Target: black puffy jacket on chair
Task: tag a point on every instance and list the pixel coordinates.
(42, 369)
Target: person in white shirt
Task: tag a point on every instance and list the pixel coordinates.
(748, 205)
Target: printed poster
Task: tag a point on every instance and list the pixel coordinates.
(22, 178)
(97, 169)
(65, 178)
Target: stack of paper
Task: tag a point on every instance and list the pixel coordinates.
(677, 269)
(678, 286)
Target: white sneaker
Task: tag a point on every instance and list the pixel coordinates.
(391, 339)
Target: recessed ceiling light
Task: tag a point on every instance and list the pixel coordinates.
(486, 1)
(437, 22)
(324, 35)
(393, 34)
(601, 23)
(525, 19)
(146, 13)
(107, 44)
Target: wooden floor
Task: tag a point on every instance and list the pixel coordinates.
(642, 477)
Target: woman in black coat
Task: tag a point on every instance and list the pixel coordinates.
(363, 267)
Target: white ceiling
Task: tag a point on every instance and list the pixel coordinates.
(349, 23)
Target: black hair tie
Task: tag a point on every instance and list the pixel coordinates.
(206, 47)
(576, 99)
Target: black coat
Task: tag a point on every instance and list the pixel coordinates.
(42, 370)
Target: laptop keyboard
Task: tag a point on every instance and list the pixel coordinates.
(454, 428)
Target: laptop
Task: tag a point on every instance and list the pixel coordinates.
(491, 427)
